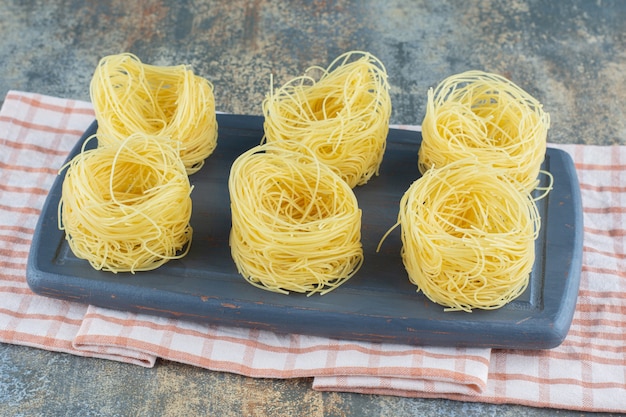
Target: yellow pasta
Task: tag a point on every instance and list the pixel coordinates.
(484, 115)
(468, 236)
(170, 101)
(341, 113)
(296, 225)
(126, 206)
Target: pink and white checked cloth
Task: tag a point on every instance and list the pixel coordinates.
(587, 372)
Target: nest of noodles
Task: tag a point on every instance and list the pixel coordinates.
(169, 101)
(484, 115)
(341, 113)
(127, 206)
(296, 225)
(468, 236)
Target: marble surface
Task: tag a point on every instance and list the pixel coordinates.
(569, 55)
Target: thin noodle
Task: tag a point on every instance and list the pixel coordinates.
(170, 101)
(484, 115)
(468, 236)
(296, 225)
(340, 112)
(126, 207)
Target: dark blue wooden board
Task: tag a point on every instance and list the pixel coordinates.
(378, 304)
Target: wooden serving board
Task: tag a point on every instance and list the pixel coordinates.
(378, 304)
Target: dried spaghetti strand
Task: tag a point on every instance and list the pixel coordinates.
(296, 225)
(468, 236)
(169, 101)
(341, 113)
(484, 115)
(126, 207)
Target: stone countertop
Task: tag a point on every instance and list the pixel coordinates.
(569, 55)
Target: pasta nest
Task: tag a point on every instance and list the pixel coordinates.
(170, 101)
(296, 225)
(468, 236)
(341, 113)
(484, 115)
(126, 207)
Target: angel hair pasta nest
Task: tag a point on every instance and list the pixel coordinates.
(126, 207)
(169, 101)
(296, 225)
(341, 113)
(468, 236)
(484, 115)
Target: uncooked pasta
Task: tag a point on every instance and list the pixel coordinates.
(296, 225)
(484, 115)
(468, 236)
(170, 101)
(340, 112)
(126, 207)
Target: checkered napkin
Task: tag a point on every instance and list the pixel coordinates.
(587, 372)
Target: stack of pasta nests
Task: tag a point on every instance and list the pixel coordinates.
(469, 224)
(126, 204)
(296, 224)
